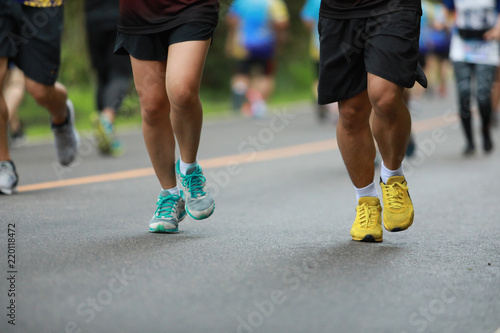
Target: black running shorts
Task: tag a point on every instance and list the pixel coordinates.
(34, 41)
(10, 12)
(7, 49)
(385, 45)
(32, 37)
(154, 46)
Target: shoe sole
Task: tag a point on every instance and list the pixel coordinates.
(201, 217)
(161, 229)
(397, 229)
(8, 191)
(193, 217)
(367, 239)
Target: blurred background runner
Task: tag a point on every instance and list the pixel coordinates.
(113, 72)
(257, 31)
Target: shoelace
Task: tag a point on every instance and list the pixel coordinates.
(395, 194)
(366, 213)
(195, 183)
(166, 205)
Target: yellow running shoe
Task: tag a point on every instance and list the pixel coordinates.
(398, 208)
(367, 226)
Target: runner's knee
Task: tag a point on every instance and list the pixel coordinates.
(183, 96)
(386, 102)
(154, 108)
(353, 116)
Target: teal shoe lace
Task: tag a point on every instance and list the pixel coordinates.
(194, 182)
(166, 206)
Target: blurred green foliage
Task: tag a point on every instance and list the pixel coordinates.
(75, 64)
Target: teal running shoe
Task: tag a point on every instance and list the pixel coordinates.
(103, 133)
(107, 142)
(199, 203)
(170, 211)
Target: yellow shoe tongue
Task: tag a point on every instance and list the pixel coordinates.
(370, 201)
(395, 179)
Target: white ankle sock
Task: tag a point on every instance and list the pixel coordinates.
(385, 173)
(185, 166)
(173, 190)
(368, 191)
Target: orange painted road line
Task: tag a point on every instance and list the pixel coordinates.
(89, 180)
(265, 155)
(271, 154)
(217, 162)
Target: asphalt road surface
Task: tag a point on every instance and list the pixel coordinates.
(276, 256)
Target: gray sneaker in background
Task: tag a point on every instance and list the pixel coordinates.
(67, 139)
(8, 177)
